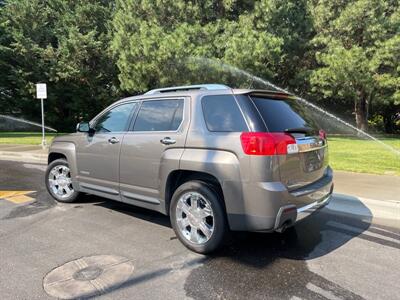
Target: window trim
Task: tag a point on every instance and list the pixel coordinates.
(93, 122)
(237, 104)
(132, 125)
(259, 113)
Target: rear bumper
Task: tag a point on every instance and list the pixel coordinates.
(307, 210)
(288, 215)
(271, 207)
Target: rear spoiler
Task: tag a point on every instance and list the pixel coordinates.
(271, 94)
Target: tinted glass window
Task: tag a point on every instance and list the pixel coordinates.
(115, 119)
(159, 115)
(222, 113)
(279, 115)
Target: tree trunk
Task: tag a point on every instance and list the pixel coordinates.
(388, 123)
(360, 110)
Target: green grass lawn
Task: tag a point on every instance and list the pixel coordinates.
(25, 138)
(345, 153)
(365, 156)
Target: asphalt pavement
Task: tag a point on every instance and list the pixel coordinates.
(348, 250)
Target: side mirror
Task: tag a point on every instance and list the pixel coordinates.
(84, 127)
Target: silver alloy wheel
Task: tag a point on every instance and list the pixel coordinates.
(60, 182)
(195, 217)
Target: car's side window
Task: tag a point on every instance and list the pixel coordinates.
(159, 115)
(222, 114)
(115, 119)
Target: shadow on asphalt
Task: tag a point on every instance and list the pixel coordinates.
(134, 211)
(272, 265)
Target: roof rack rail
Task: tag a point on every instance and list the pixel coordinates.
(188, 87)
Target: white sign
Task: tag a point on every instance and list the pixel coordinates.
(41, 91)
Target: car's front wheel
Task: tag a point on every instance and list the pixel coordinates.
(59, 181)
(198, 217)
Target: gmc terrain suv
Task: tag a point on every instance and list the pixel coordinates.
(212, 158)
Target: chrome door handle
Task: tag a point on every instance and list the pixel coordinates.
(167, 141)
(113, 140)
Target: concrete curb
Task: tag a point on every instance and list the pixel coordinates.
(383, 209)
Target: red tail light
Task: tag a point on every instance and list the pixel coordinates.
(266, 143)
(322, 134)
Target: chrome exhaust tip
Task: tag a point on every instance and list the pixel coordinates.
(284, 226)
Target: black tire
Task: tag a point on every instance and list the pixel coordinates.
(220, 230)
(69, 199)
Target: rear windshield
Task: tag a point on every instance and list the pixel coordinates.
(281, 115)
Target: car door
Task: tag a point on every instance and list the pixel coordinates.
(154, 143)
(98, 153)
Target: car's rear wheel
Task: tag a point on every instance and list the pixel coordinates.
(59, 181)
(198, 217)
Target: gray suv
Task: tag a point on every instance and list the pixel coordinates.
(213, 158)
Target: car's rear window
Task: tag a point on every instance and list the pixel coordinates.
(281, 115)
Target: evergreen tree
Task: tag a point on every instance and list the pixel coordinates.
(61, 43)
(357, 48)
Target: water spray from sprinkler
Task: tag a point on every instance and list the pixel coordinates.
(26, 122)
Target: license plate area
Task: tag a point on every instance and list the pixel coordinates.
(313, 160)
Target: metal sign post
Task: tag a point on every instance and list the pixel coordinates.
(41, 93)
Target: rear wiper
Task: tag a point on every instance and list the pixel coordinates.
(299, 130)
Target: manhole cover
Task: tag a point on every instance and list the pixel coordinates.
(88, 276)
